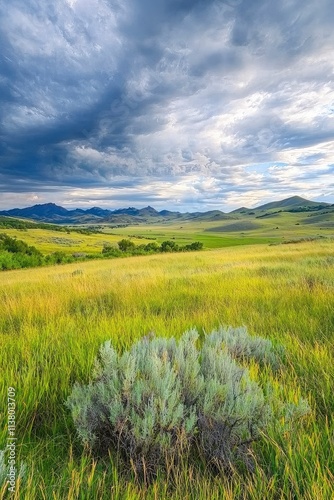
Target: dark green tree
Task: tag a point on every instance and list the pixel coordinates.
(169, 246)
(126, 245)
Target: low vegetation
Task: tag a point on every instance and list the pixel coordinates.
(164, 402)
(53, 321)
(15, 254)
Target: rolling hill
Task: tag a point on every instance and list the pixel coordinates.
(294, 202)
(52, 213)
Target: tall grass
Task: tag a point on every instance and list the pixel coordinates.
(52, 321)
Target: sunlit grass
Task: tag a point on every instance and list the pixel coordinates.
(48, 241)
(52, 321)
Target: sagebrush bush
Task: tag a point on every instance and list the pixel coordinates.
(231, 408)
(243, 346)
(163, 400)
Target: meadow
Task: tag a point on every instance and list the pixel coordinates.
(234, 229)
(53, 320)
(237, 228)
(48, 241)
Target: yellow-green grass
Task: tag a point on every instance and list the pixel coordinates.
(52, 321)
(48, 241)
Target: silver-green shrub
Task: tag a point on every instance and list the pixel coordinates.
(231, 408)
(135, 404)
(243, 346)
(162, 399)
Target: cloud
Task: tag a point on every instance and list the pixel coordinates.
(213, 102)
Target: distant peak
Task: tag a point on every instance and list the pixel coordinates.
(296, 198)
(46, 205)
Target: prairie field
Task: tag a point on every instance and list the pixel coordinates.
(53, 320)
(231, 230)
(48, 241)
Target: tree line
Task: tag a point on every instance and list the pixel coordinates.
(128, 247)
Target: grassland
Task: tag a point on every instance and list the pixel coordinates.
(233, 229)
(48, 241)
(239, 229)
(52, 321)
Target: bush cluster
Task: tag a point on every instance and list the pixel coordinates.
(15, 254)
(163, 401)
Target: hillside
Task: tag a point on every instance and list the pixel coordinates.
(52, 213)
(289, 203)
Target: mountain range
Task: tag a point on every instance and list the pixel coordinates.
(50, 212)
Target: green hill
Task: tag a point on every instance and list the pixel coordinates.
(289, 203)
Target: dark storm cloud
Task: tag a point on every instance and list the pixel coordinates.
(92, 91)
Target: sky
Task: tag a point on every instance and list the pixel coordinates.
(178, 104)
